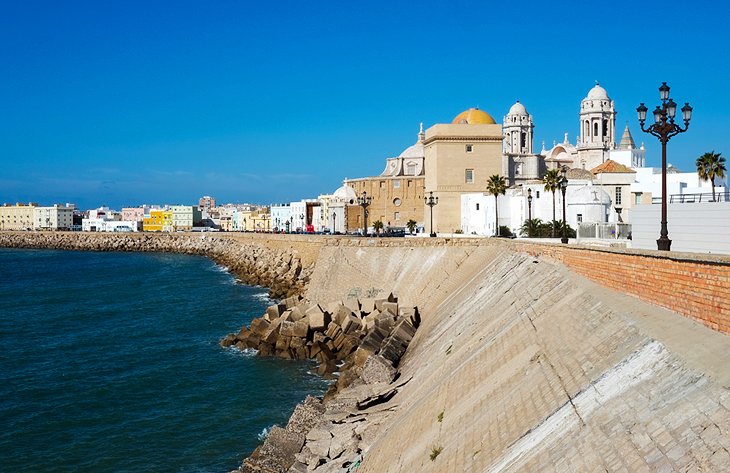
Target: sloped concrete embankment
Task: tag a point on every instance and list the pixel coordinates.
(521, 365)
(253, 261)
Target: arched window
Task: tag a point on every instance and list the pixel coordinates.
(586, 131)
(595, 129)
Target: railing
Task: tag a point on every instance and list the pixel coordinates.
(696, 198)
(604, 231)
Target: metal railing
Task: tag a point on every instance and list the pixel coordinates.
(696, 198)
(604, 231)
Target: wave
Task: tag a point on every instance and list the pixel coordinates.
(265, 433)
(247, 352)
(262, 296)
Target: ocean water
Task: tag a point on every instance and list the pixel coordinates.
(109, 362)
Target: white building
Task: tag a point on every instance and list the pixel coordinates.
(57, 217)
(337, 208)
(281, 217)
(185, 217)
(102, 225)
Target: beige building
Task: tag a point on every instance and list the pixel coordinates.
(459, 158)
(57, 217)
(16, 217)
(397, 193)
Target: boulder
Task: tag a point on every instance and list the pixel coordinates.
(367, 305)
(286, 329)
(300, 329)
(229, 340)
(296, 314)
(391, 307)
(318, 320)
(341, 313)
(377, 370)
(259, 326)
(352, 304)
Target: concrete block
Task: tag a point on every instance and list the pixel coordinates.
(391, 307)
(259, 326)
(318, 320)
(300, 329)
(296, 314)
(377, 370)
(352, 304)
(367, 305)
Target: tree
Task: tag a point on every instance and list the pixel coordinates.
(709, 166)
(496, 186)
(552, 183)
(377, 226)
(411, 224)
(530, 228)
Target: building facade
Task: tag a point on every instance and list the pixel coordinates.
(17, 217)
(397, 193)
(185, 217)
(459, 158)
(57, 217)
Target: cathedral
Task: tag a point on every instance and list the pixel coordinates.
(455, 159)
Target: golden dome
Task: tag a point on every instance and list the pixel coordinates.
(474, 116)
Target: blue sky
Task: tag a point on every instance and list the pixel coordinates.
(131, 102)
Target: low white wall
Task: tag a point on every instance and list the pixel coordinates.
(697, 228)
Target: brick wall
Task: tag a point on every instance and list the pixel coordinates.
(696, 286)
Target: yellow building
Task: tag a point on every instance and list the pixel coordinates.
(16, 217)
(397, 193)
(459, 158)
(159, 220)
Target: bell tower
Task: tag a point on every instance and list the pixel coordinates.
(597, 128)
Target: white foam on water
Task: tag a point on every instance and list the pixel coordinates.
(265, 433)
(262, 296)
(247, 352)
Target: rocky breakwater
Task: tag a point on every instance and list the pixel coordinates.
(252, 263)
(359, 343)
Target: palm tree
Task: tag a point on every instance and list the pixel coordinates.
(377, 225)
(496, 186)
(411, 224)
(709, 166)
(552, 183)
(529, 227)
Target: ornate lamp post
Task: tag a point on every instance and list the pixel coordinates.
(563, 188)
(334, 222)
(364, 201)
(431, 201)
(529, 212)
(664, 128)
(288, 224)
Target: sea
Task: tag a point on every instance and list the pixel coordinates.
(110, 362)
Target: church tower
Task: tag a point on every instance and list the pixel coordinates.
(597, 128)
(517, 129)
(519, 164)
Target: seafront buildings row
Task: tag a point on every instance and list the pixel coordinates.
(607, 178)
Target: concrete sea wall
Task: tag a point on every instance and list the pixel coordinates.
(528, 357)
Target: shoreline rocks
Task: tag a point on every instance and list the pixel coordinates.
(358, 342)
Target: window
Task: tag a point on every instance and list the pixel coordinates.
(469, 176)
(580, 218)
(637, 198)
(595, 129)
(538, 195)
(618, 196)
(396, 202)
(396, 216)
(396, 184)
(469, 148)
(477, 206)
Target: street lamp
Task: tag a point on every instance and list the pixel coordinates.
(529, 212)
(431, 201)
(664, 128)
(334, 222)
(364, 201)
(563, 188)
(244, 224)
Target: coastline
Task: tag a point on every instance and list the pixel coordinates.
(529, 356)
